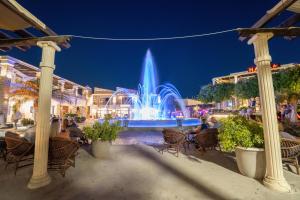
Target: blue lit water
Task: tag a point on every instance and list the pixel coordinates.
(155, 105)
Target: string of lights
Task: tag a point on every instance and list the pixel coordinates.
(155, 39)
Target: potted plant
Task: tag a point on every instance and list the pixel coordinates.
(245, 137)
(102, 134)
(27, 122)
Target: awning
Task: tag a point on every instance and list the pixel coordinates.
(281, 6)
(295, 7)
(15, 21)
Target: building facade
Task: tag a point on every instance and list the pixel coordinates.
(116, 103)
(19, 88)
(235, 103)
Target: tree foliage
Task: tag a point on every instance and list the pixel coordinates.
(206, 94)
(223, 92)
(216, 93)
(286, 85)
(247, 88)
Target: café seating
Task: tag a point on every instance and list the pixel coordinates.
(19, 151)
(62, 154)
(173, 140)
(290, 152)
(2, 148)
(207, 138)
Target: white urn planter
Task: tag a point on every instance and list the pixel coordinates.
(251, 162)
(101, 149)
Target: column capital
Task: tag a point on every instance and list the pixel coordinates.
(52, 44)
(260, 36)
(261, 48)
(48, 53)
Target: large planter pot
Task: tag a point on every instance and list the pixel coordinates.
(251, 162)
(101, 149)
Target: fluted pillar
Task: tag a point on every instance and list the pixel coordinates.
(274, 178)
(40, 175)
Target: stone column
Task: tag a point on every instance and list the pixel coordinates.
(274, 178)
(40, 175)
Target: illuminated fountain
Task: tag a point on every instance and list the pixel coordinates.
(154, 105)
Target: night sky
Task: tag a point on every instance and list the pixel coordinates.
(188, 64)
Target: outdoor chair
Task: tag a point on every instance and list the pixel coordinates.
(207, 138)
(62, 154)
(2, 148)
(290, 152)
(191, 135)
(19, 151)
(173, 140)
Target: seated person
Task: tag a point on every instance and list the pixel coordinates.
(198, 129)
(54, 127)
(203, 126)
(284, 134)
(75, 132)
(29, 134)
(64, 129)
(214, 123)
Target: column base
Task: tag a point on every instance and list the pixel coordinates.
(37, 182)
(279, 185)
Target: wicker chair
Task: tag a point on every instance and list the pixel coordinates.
(2, 148)
(208, 138)
(173, 140)
(19, 150)
(290, 152)
(62, 154)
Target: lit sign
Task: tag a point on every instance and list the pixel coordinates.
(254, 68)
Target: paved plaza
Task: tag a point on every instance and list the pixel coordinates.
(141, 172)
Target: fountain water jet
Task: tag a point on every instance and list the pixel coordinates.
(153, 104)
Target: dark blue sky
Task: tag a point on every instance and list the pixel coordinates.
(188, 64)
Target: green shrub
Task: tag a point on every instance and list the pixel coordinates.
(238, 131)
(243, 107)
(79, 119)
(26, 122)
(70, 115)
(104, 132)
(108, 117)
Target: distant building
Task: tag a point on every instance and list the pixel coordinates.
(235, 77)
(116, 103)
(67, 96)
(250, 72)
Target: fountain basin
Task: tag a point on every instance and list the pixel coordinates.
(162, 123)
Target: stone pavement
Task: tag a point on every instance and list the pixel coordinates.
(140, 172)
